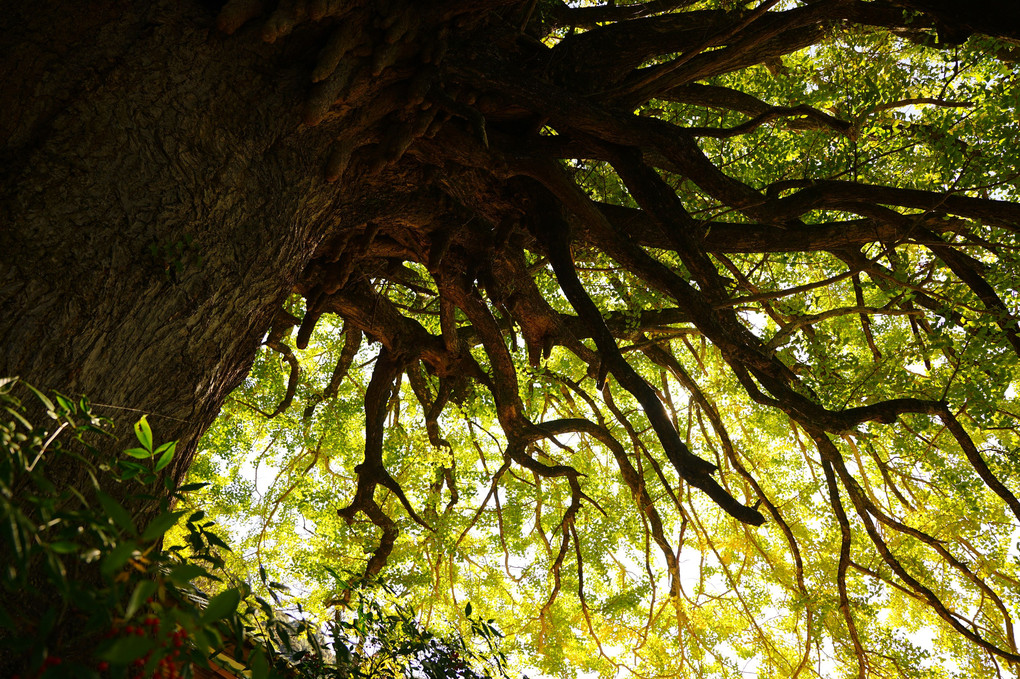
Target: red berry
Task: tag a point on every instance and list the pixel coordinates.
(103, 666)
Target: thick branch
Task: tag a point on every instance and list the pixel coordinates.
(553, 231)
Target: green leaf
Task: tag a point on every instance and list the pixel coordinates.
(221, 605)
(167, 450)
(267, 607)
(143, 590)
(161, 524)
(467, 610)
(188, 487)
(15, 535)
(259, 665)
(116, 511)
(202, 642)
(216, 540)
(143, 432)
(127, 649)
(19, 417)
(116, 558)
(64, 547)
(66, 405)
(129, 473)
(41, 396)
(139, 453)
(186, 572)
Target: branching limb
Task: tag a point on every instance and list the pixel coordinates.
(590, 17)
(692, 468)
(371, 472)
(831, 457)
(281, 327)
(726, 237)
(844, 565)
(352, 342)
(844, 195)
(774, 113)
(977, 461)
(634, 482)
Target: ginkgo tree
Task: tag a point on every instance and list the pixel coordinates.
(678, 337)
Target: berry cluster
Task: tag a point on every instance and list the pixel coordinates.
(169, 651)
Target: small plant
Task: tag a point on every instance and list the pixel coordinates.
(372, 635)
(86, 593)
(104, 601)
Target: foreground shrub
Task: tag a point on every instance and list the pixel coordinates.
(87, 592)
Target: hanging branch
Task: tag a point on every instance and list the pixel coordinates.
(352, 342)
(281, 327)
(464, 118)
(844, 565)
(830, 456)
(690, 467)
(371, 472)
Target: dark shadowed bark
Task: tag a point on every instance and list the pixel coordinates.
(159, 201)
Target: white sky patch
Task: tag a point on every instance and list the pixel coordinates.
(917, 368)
(756, 319)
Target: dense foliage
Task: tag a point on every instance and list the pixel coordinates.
(86, 592)
(731, 388)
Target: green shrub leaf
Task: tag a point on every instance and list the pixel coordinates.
(143, 591)
(116, 511)
(259, 665)
(216, 540)
(127, 649)
(221, 605)
(64, 547)
(185, 573)
(143, 432)
(161, 524)
(41, 396)
(167, 450)
(116, 558)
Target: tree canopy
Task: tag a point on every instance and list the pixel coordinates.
(678, 337)
(710, 366)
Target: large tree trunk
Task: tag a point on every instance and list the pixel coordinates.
(158, 203)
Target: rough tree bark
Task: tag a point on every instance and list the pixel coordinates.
(159, 201)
